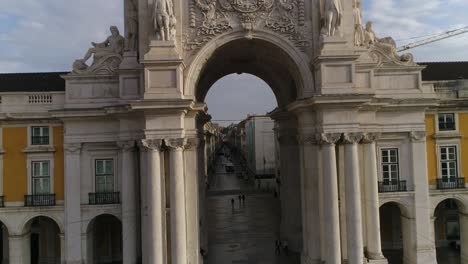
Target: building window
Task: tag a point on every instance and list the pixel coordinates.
(446, 122)
(40, 177)
(448, 163)
(104, 175)
(390, 166)
(40, 136)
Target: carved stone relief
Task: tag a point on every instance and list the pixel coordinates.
(209, 18)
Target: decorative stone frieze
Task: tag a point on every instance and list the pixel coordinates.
(72, 148)
(418, 136)
(368, 138)
(328, 138)
(307, 139)
(150, 145)
(352, 138)
(210, 18)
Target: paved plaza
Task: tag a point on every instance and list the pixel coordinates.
(245, 232)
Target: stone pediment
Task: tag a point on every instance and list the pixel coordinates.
(210, 18)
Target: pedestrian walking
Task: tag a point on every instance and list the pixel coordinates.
(240, 199)
(232, 203)
(243, 199)
(278, 247)
(285, 247)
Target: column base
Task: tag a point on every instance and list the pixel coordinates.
(307, 260)
(377, 261)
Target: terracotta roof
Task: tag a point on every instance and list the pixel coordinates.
(32, 82)
(443, 71)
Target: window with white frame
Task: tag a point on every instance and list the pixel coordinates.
(390, 165)
(446, 122)
(104, 175)
(39, 135)
(40, 177)
(448, 163)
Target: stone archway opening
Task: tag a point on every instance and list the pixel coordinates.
(4, 245)
(392, 234)
(448, 230)
(44, 241)
(104, 240)
(279, 72)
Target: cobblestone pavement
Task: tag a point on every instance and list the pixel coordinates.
(243, 233)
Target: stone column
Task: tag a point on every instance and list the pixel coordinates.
(153, 210)
(290, 196)
(177, 196)
(355, 243)
(425, 244)
(309, 151)
(192, 200)
(129, 217)
(374, 243)
(330, 199)
(463, 219)
(73, 203)
(20, 249)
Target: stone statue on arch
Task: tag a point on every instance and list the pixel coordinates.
(331, 16)
(164, 20)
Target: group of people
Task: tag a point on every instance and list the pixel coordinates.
(281, 244)
(241, 201)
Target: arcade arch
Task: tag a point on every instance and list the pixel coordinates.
(283, 74)
(44, 243)
(104, 240)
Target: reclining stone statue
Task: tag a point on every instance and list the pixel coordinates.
(107, 55)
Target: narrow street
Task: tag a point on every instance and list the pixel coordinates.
(247, 231)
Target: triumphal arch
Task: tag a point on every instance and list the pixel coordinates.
(340, 89)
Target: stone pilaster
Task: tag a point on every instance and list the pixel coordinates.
(153, 209)
(309, 162)
(331, 221)
(73, 203)
(374, 244)
(129, 201)
(20, 248)
(192, 200)
(178, 200)
(425, 245)
(354, 241)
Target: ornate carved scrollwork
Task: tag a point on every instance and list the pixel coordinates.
(328, 138)
(352, 138)
(209, 18)
(150, 144)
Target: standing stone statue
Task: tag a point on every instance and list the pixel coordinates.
(131, 25)
(164, 19)
(369, 36)
(332, 15)
(359, 36)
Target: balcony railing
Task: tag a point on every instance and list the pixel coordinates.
(104, 198)
(392, 186)
(450, 183)
(39, 200)
(39, 140)
(2, 201)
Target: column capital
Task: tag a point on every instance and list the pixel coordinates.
(418, 136)
(193, 143)
(150, 145)
(175, 144)
(126, 146)
(371, 137)
(352, 138)
(72, 148)
(328, 138)
(308, 139)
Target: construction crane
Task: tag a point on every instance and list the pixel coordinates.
(434, 38)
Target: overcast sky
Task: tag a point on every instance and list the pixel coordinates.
(48, 35)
